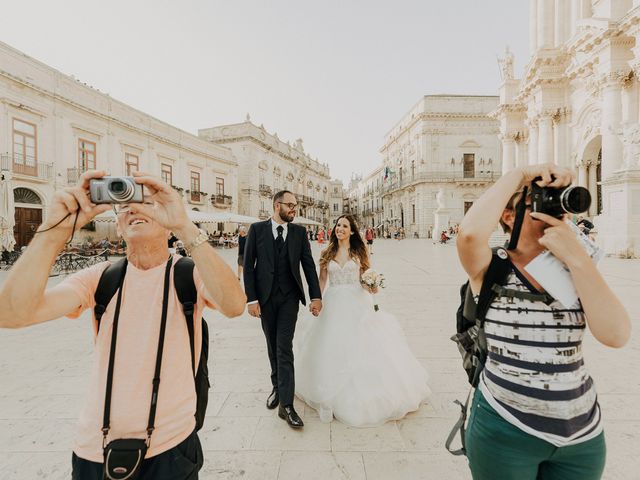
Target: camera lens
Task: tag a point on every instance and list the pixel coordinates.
(121, 190)
(575, 199)
(117, 186)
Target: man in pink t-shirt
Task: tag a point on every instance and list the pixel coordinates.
(174, 449)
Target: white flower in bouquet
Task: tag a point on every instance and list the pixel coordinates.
(373, 280)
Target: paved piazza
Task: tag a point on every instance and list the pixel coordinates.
(44, 371)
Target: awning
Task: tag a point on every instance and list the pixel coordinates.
(306, 221)
(195, 216)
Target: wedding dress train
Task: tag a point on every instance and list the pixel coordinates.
(354, 363)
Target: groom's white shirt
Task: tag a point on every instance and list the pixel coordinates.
(274, 229)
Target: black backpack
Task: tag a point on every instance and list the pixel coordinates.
(188, 296)
(470, 338)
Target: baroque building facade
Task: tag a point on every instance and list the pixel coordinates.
(577, 105)
(267, 164)
(336, 201)
(436, 161)
(53, 128)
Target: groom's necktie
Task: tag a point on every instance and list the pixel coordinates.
(280, 238)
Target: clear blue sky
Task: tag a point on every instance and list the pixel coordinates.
(337, 73)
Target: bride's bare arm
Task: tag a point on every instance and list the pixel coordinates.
(323, 278)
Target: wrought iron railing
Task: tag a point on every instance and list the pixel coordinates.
(29, 168)
(221, 200)
(440, 177)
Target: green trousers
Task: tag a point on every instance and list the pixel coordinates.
(497, 449)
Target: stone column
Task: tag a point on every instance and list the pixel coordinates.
(562, 18)
(546, 25)
(559, 142)
(545, 152)
(611, 118)
(630, 103)
(533, 143)
(521, 154)
(508, 153)
(582, 174)
(593, 187)
(575, 16)
(533, 26)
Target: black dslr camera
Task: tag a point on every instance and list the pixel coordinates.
(558, 201)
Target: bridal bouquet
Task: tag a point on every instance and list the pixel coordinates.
(373, 279)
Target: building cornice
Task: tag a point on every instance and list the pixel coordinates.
(56, 97)
(285, 156)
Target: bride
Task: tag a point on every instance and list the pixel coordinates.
(353, 363)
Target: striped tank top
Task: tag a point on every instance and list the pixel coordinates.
(534, 376)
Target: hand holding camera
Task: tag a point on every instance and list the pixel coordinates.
(167, 208)
(66, 202)
(546, 175)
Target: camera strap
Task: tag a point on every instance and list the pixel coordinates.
(112, 353)
(521, 208)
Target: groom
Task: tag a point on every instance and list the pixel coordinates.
(273, 254)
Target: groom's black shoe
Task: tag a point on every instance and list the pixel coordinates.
(273, 400)
(289, 414)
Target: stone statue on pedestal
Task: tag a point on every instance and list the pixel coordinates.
(506, 65)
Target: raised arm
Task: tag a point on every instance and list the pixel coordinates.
(23, 296)
(249, 266)
(219, 280)
(607, 318)
(482, 218)
(323, 278)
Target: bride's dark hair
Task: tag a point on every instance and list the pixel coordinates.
(357, 248)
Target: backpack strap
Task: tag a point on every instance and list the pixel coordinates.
(107, 287)
(496, 274)
(188, 297)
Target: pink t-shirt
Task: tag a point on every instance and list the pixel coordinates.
(134, 366)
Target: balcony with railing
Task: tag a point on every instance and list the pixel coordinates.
(28, 169)
(265, 190)
(195, 197)
(222, 201)
(306, 200)
(263, 214)
(460, 177)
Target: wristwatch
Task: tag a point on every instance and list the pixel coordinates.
(202, 237)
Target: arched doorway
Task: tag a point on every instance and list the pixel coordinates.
(28, 215)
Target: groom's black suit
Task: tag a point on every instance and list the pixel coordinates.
(272, 277)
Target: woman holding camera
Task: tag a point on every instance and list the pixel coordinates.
(535, 414)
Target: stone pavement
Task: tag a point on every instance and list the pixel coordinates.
(44, 371)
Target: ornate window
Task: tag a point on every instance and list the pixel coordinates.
(219, 186)
(166, 173)
(86, 155)
(195, 186)
(25, 152)
(131, 163)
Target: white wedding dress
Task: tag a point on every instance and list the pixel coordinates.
(353, 363)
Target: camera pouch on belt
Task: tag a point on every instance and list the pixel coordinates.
(123, 458)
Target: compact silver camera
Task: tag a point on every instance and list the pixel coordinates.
(115, 190)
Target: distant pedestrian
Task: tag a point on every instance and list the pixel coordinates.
(242, 239)
(368, 236)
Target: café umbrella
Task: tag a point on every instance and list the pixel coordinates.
(7, 214)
